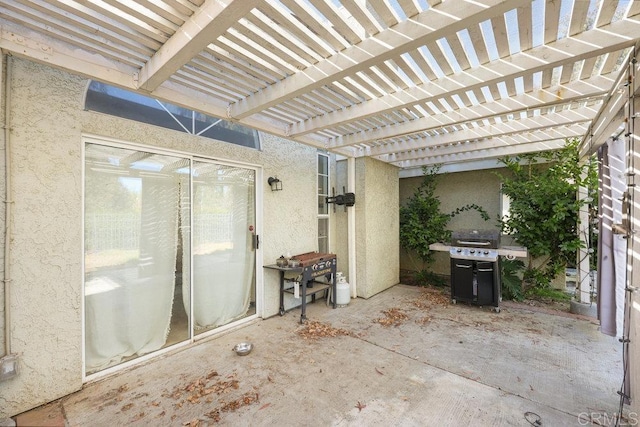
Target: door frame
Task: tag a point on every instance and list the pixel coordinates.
(193, 339)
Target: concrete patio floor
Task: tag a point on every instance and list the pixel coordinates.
(441, 365)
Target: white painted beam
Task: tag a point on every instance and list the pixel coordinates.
(207, 24)
(564, 132)
(483, 154)
(591, 88)
(613, 37)
(531, 124)
(611, 114)
(427, 27)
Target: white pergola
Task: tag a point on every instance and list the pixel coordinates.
(409, 82)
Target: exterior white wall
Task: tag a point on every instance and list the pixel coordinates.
(377, 226)
(48, 122)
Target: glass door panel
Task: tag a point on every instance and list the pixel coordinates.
(136, 222)
(224, 284)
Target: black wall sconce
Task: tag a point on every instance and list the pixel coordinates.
(274, 183)
(346, 199)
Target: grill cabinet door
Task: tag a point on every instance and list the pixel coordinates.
(485, 278)
(462, 280)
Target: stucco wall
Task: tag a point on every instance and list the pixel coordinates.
(377, 226)
(340, 243)
(2, 208)
(48, 122)
(456, 190)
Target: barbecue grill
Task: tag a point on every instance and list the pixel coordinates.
(475, 267)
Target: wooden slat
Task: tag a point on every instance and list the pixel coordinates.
(610, 62)
(525, 25)
(376, 81)
(327, 33)
(567, 71)
(607, 9)
(360, 12)
(390, 71)
(404, 37)
(284, 37)
(547, 75)
(440, 59)
(135, 11)
(576, 90)
(291, 24)
(409, 7)
(475, 34)
(408, 69)
(511, 87)
(257, 50)
(528, 83)
(587, 67)
(421, 62)
(385, 12)
(165, 11)
(331, 12)
(77, 26)
(551, 20)
(185, 8)
(225, 58)
(500, 35)
(458, 51)
(634, 9)
(101, 22)
(578, 17)
(554, 55)
(274, 46)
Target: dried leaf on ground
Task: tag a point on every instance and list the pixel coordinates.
(203, 387)
(360, 406)
(315, 330)
(423, 320)
(393, 317)
(433, 296)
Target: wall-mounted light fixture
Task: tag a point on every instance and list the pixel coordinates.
(275, 183)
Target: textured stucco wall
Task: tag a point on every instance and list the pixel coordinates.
(2, 208)
(455, 190)
(340, 242)
(48, 123)
(377, 226)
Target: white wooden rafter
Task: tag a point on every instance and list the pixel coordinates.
(390, 80)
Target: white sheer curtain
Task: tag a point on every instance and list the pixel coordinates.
(223, 260)
(129, 291)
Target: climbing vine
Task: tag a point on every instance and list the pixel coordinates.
(421, 221)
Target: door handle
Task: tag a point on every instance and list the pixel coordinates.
(485, 269)
(463, 266)
(256, 242)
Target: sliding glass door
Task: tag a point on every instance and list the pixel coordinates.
(223, 249)
(147, 235)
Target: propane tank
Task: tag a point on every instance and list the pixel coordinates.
(343, 291)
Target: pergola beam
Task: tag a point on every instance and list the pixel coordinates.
(483, 154)
(210, 21)
(529, 124)
(579, 90)
(522, 139)
(424, 28)
(613, 37)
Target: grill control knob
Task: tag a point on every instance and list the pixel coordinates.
(472, 251)
(458, 250)
(486, 252)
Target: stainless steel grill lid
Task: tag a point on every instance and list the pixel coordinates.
(476, 238)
